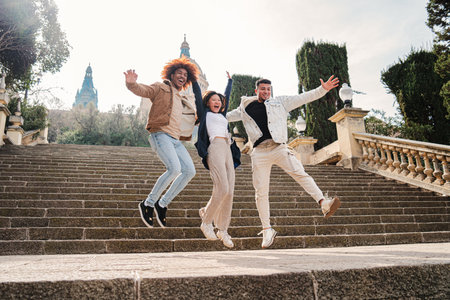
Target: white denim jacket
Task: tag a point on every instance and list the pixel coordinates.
(277, 113)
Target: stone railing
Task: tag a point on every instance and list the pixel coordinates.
(418, 163)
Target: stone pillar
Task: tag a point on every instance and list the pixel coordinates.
(304, 148)
(349, 120)
(15, 131)
(4, 111)
(43, 136)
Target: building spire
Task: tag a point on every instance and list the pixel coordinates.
(185, 48)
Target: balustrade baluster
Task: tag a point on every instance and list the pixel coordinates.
(404, 164)
(364, 149)
(411, 166)
(396, 163)
(419, 167)
(390, 161)
(383, 158)
(371, 155)
(376, 158)
(428, 170)
(446, 175)
(437, 170)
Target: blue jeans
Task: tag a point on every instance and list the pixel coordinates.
(179, 165)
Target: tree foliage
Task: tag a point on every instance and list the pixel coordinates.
(31, 41)
(416, 87)
(315, 61)
(243, 85)
(438, 21)
(121, 126)
(34, 114)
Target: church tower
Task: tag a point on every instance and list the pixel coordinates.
(202, 82)
(88, 93)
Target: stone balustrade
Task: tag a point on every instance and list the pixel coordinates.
(418, 163)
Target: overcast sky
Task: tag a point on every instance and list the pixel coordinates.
(254, 37)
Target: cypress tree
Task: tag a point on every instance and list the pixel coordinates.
(416, 87)
(243, 85)
(315, 61)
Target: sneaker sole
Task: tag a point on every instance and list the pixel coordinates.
(228, 246)
(271, 242)
(208, 238)
(157, 219)
(142, 217)
(334, 207)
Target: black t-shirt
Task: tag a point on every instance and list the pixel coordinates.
(258, 112)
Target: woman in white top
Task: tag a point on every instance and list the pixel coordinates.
(221, 156)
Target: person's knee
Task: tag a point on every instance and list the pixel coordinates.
(189, 172)
(174, 171)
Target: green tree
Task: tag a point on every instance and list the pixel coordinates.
(31, 41)
(315, 61)
(34, 114)
(121, 126)
(243, 85)
(438, 21)
(378, 123)
(416, 87)
(86, 127)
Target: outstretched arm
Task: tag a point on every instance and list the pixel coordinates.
(142, 90)
(228, 92)
(292, 102)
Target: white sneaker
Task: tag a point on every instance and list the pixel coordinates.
(208, 231)
(268, 237)
(226, 239)
(329, 206)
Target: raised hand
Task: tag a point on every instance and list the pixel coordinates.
(228, 75)
(130, 76)
(330, 84)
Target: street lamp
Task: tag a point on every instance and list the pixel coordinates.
(300, 125)
(346, 94)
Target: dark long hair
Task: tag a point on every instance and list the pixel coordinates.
(208, 94)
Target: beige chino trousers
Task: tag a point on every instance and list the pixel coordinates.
(221, 170)
(263, 157)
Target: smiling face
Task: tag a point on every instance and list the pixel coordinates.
(263, 91)
(214, 103)
(179, 78)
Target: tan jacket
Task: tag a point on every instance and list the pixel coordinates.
(161, 95)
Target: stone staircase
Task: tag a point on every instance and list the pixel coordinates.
(74, 199)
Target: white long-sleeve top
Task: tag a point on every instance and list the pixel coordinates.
(216, 125)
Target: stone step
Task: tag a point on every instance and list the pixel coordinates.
(198, 184)
(193, 190)
(114, 220)
(237, 231)
(83, 199)
(350, 204)
(301, 209)
(415, 271)
(120, 194)
(188, 245)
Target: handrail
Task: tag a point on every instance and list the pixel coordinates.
(407, 160)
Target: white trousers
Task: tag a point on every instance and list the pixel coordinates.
(221, 169)
(263, 157)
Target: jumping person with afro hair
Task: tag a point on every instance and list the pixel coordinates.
(171, 119)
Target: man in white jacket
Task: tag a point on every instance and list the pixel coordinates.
(265, 120)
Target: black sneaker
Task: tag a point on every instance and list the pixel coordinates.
(146, 214)
(160, 214)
